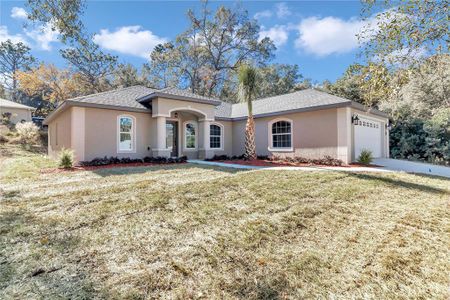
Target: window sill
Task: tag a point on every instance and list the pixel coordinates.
(126, 151)
(190, 149)
(281, 149)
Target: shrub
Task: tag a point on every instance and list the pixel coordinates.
(126, 160)
(326, 160)
(28, 133)
(66, 158)
(365, 157)
(5, 118)
(3, 139)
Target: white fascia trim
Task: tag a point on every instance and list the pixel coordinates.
(280, 149)
(160, 115)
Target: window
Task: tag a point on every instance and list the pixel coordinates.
(126, 134)
(189, 134)
(215, 136)
(281, 135)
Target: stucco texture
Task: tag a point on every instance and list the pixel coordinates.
(17, 114)
(314, 134)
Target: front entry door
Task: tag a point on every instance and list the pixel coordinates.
(172, 137)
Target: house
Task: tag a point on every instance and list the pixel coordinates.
(138, 121)
(18, 112)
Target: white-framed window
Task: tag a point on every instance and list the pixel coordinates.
(126, 129)
(190, 135)
(280, 135)
(216, 136)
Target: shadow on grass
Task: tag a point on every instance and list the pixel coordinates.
(20, 277)
(105, 172)
(400, 183)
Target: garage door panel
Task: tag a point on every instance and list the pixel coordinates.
(367, 135)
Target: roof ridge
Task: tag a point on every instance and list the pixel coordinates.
(109, 91)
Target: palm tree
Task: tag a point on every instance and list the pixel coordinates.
(247, 92)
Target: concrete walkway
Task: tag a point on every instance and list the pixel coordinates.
(412, 167)
(221, 164)
(238, 166)
(389, 165)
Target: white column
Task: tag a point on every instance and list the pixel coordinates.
(344, 134)
(78, 132)
(160, 133)
(205, 142)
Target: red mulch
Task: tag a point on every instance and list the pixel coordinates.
(268, 163)
(92, 168)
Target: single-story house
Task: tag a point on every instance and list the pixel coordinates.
(138, 121)
(19, 112)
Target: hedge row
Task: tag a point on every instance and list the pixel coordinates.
(126, 160)
(326, 160)
(239, 157)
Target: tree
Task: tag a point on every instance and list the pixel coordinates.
(85, 57)
(247, 93)
(62, 15)
(14, 58)
(405, 31)
(92, 65)
(423, 91)
(213, 46)
(367, 84)
(349, 85)
(48, 82)
(125, 75)
(277, 79)
(2, 92)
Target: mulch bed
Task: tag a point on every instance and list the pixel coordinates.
(93, 168)
(268, 163)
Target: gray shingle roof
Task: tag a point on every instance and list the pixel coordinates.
(10, 104)
(185, 93)
(131, 97)
(124, 97)
(305, 99)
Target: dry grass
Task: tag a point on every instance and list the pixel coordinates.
(185, 231)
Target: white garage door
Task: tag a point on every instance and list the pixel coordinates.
(368, 136)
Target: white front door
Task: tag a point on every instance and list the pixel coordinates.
(367, 135)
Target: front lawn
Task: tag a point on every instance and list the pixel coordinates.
(186, 231)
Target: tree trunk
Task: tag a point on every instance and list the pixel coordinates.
(250, 147)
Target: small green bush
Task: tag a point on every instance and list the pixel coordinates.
(66, 158)
(365, 157)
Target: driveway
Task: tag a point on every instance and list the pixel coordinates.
(412, 167)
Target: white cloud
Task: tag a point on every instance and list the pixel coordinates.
(278, 34)
(18, 13)
(4, 35)
(129, 40)
(328, 35)
(282, 10)
(263, 14)
(43, 36)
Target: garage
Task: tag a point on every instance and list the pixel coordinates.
(367, 135)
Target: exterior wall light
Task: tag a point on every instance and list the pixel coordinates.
(355, 119)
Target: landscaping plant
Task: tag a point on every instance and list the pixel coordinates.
(28, 133)
(247, 92)
(365, 157)
(66, 158)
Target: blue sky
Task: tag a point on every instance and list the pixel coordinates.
(319, 36)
